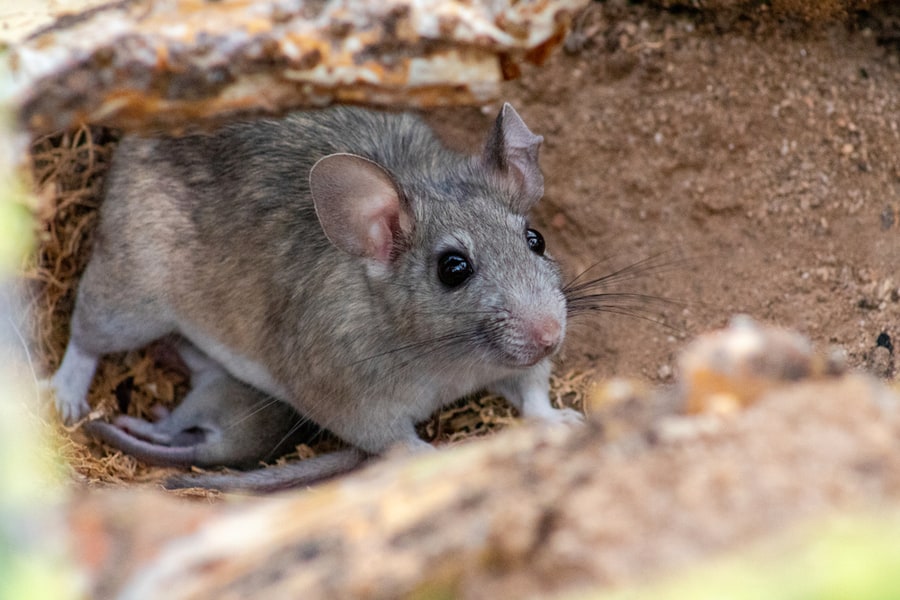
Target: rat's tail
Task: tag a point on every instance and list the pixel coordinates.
(275, 478)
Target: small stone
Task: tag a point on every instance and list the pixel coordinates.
(880, 362)
(559, 221)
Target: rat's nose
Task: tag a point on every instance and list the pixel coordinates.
(546, 333)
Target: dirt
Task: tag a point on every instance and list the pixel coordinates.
(754, 161)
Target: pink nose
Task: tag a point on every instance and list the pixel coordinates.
(546, 332)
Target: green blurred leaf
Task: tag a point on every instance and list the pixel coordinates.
(846, 558)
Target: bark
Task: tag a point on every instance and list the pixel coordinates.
(525, 512)
(150, 64)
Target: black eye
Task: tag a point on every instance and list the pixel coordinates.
(535, 241)
(454, 268)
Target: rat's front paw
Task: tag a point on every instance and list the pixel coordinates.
(413, 446)
(554, 416)
(71, 407)
(564, 416)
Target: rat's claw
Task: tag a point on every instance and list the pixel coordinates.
(70, 407)
(563, 416)
(570, 416)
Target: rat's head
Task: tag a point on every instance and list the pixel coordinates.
(450, 248)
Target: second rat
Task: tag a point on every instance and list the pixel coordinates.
(342, 261)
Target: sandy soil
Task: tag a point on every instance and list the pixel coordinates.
(763, 153)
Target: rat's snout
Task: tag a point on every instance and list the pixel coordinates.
(545, 334)
(539, 336)
(532, 325)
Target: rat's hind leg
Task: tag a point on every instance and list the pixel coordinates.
(109, 317)
(221, 422)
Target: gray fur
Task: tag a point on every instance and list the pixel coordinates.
(216, 237)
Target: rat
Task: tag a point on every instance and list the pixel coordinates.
(342, 261)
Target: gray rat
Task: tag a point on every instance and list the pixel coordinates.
(342, 261)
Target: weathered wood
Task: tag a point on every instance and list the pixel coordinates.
(526, 511)
(141, 64)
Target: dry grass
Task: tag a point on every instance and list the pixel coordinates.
(68, 171)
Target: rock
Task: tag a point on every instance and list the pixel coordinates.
(172, 63)
(725, 370)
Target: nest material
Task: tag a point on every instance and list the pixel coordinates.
(68, 171)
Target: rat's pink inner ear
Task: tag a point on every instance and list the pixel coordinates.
(358, 205)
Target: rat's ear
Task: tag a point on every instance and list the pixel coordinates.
(512, 151)
(359, 206)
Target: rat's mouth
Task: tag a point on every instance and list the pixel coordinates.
(519, 355)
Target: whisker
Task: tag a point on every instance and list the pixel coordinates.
(258, 407)
(301, 421)
(454, 347)
(601, 294)
(620, 299)
(590, 268)
(478, 330)
(661, 263)
(626, 312)
(414, 345)
(453, 342)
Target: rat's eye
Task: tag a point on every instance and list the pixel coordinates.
(454, 268)
(535, 241)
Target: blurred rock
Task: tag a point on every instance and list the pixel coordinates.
(150, 64)
(727, 369)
